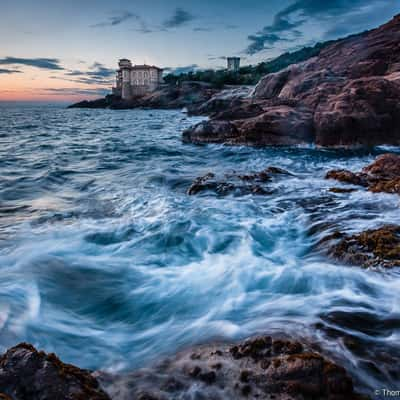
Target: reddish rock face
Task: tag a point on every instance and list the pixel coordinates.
(383, 175)
(347, 96)
(372, 248)
(385, 166)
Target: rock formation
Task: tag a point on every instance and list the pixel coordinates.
(383, 175)
(187, 94)
(372, 248)
(346, 96)
(238, 184)
(258, 368)
(28, 374)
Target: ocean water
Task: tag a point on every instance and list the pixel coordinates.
(105, 260)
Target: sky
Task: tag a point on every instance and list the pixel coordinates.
(52, 50)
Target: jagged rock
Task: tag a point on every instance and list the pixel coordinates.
(383, 175)
(372, 248)
(236, 183)
(28, 374)
(385, 166)
(258, 368)
(346, 96)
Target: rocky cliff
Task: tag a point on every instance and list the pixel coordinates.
(348, 95)
(186, 94)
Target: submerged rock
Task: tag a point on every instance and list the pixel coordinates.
(372, 248)
(28, 374)
(383, 175)
(258, 368)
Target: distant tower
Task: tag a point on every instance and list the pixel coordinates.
(125, 66)
(233, 64)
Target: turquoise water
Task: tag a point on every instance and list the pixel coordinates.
(107, 261)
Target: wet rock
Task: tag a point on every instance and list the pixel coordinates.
(26, 373)
(371, 248)
(240, 184)
(385, 166)
(341, 190)
(278, 125)
(345, 176)
(258, 368)
(383, 175)
(208, 377)
(213, 131)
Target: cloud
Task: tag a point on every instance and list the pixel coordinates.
(214, 58)
(9, 71)
(179, 18)
(143, 27)
(181, 70)
(200, 29)
(116, 19)
(43, 63)
(286, 23)
(96, 75)
(75, 91)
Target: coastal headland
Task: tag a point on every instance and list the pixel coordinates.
(347, 96)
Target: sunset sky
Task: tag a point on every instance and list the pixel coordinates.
(68, 50)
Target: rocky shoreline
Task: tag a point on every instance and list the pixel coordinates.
(263, 367)
(188, 95)
(346, 96)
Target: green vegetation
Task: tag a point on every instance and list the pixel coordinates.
(251, 74)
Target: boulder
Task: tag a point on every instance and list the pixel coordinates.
(279, 125)
(28, 374)
(214, 131)
(383, 175)
(371, 248)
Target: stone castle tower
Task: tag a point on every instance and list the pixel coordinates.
(136, 80)
(233, 64)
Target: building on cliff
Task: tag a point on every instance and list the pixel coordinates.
(136, 80)
(233, 64)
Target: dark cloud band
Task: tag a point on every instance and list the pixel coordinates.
(44, 63)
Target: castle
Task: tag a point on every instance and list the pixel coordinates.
(136, 80)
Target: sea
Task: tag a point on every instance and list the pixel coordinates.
(108, 262)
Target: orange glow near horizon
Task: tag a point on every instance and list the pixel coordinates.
(43, 85)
